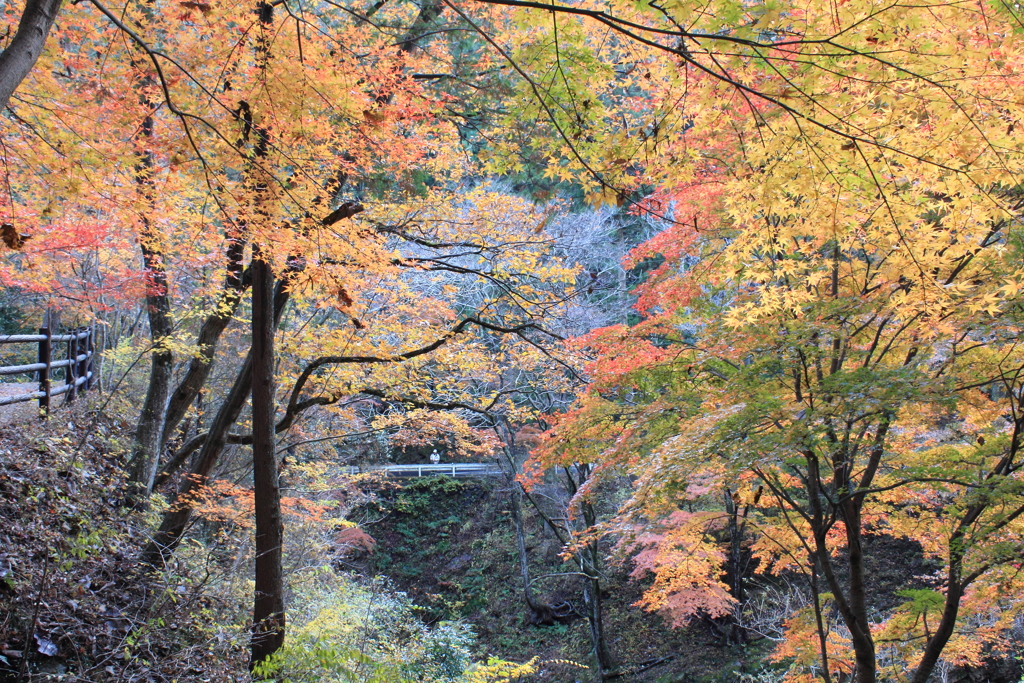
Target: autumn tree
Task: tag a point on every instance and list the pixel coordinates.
(839, 278)
(248, 157)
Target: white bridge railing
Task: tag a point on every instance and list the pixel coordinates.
(460, 470)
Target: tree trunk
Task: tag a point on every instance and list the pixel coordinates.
(592, 595)
(589, 560)
(541, 612)
(595, 617)
(176, 519)
(20, 56)
(732, 509)
(268, 609)
(863, 642)
(726, 626)
(851, 603)
(955, 586)
(146, 452)
(819, 623)
(937, 643)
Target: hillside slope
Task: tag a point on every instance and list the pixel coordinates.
(451, 545)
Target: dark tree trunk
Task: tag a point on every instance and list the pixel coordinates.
(726, 626)
(20, 56)
(851, 600)
(937, 643)
(146, 452)
(175, 521)
(956, 583)
(541, 613)
(268, 610)
(592, 595)
(819, 623)
(589, 560)
(863, 642)
(595, 617)
(732, 509)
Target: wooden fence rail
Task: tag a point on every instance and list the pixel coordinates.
(77, 364)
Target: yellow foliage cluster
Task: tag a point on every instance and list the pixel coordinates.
(499, 671)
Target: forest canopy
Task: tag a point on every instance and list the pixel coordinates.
(728, 295)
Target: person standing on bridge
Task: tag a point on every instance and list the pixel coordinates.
(435, 457)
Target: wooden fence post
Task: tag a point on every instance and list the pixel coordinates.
(45, 356)
(69, 375)
(90, 348)
(82, 348)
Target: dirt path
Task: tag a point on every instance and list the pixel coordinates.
(18, 412)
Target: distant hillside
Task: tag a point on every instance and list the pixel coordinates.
(451, 545)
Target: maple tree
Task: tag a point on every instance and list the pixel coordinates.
(839, 420)
(835, 306)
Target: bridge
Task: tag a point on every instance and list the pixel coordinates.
(456, 470)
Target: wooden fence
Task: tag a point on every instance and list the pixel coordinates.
(77, 364)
